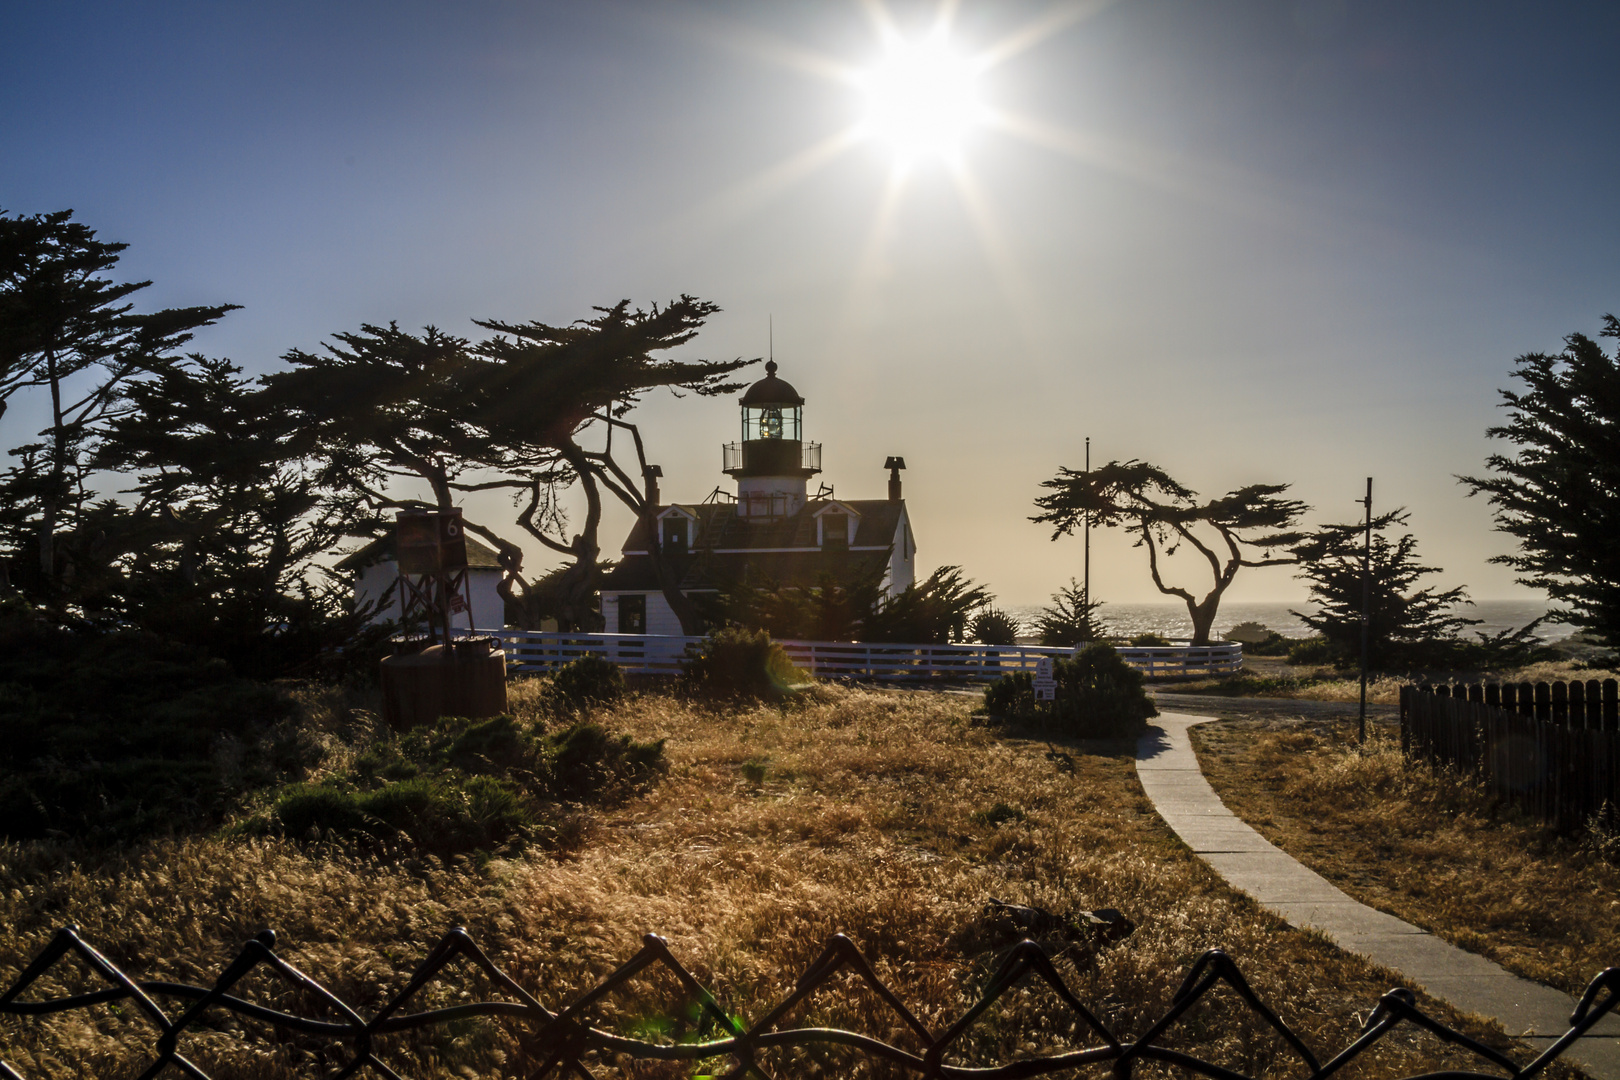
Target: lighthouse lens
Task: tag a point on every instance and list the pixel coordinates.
(771, 424)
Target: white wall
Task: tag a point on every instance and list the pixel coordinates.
(661, 618)
(903, 558)
(379, 581)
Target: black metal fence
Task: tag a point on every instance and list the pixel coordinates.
(1552, 748)
(565, 1043)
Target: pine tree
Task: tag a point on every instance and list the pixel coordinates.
(1406, 625)
(1558, 492)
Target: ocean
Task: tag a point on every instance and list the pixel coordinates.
(1170, 619)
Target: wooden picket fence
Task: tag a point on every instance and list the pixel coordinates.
(1551, 748)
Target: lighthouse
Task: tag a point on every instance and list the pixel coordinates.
(772, 528)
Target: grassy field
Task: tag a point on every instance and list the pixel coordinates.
(893, 817)
(1431, 849)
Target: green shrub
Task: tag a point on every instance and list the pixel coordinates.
(461, 785)
(1011, 697)
(445, 815)
(586, 759)
(1151, 639)
(739, 663)
(1313, 650)
(110, 736)
(1274, 644)
(1099, 696)
(590, 680)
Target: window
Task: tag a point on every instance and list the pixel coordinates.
(835, 530)
(675, 535)
(632, 614)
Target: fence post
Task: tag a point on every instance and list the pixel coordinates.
(1611, 705)
(1577, 705)
(1406, 731)
(1543, 692)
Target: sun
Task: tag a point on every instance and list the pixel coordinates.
(922, 98)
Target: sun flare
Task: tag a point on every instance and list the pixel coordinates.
(922, 97)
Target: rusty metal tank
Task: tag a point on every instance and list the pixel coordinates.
(464, 678)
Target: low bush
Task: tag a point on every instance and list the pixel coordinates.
(1099, 696)
(463, 785)
(739, 663)
(109, 736)
(1152, 639)
(589, 681)
(1312, 650)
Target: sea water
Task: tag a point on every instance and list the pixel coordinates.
(1170, 619)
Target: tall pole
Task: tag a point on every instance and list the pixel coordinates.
(1085, 591)
(1366, 608)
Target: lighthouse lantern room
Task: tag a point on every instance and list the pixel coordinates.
(773, 461)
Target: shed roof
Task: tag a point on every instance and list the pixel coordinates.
(480, 556)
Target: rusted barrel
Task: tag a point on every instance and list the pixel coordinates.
(465, 678)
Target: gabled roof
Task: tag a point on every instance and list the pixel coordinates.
(783, 550)
(480, 556)
(720, 528)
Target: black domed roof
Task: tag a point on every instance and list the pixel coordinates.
(771, 391)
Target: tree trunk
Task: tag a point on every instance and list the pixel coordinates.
(1203, 616)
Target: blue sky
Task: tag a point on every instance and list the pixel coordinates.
(1281, 242)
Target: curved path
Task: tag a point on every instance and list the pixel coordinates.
(1533, 1013)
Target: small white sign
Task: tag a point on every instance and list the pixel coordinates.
(1045, 684)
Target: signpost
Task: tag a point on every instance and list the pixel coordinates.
(1045, 683)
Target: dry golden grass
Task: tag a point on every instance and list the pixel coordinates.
(1432, 849)
(852, 811)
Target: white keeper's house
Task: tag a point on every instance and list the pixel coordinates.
(772, 530)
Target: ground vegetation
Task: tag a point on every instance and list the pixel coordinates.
(889, 816)
(1430, 847)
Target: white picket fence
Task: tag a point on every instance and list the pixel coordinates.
(646, 654)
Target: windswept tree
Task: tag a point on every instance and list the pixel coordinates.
(554, 403)
(68, 331)
(1558, 491)
(1405, 624)
(1236, 530)
(536, 409)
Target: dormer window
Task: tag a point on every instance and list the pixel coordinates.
(675, 530)
(835, 531)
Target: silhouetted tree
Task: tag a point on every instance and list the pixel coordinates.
(1406, 625)
(230, 518)
(1163, 514)
(68, 330)
(1069, 619)
(553, 402)
(534, 409)
(1558, 492)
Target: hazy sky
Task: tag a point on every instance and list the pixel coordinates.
(1279, 242)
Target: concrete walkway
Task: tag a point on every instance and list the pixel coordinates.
(1533, 1013)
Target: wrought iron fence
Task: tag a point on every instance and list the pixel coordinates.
(565, 1043)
